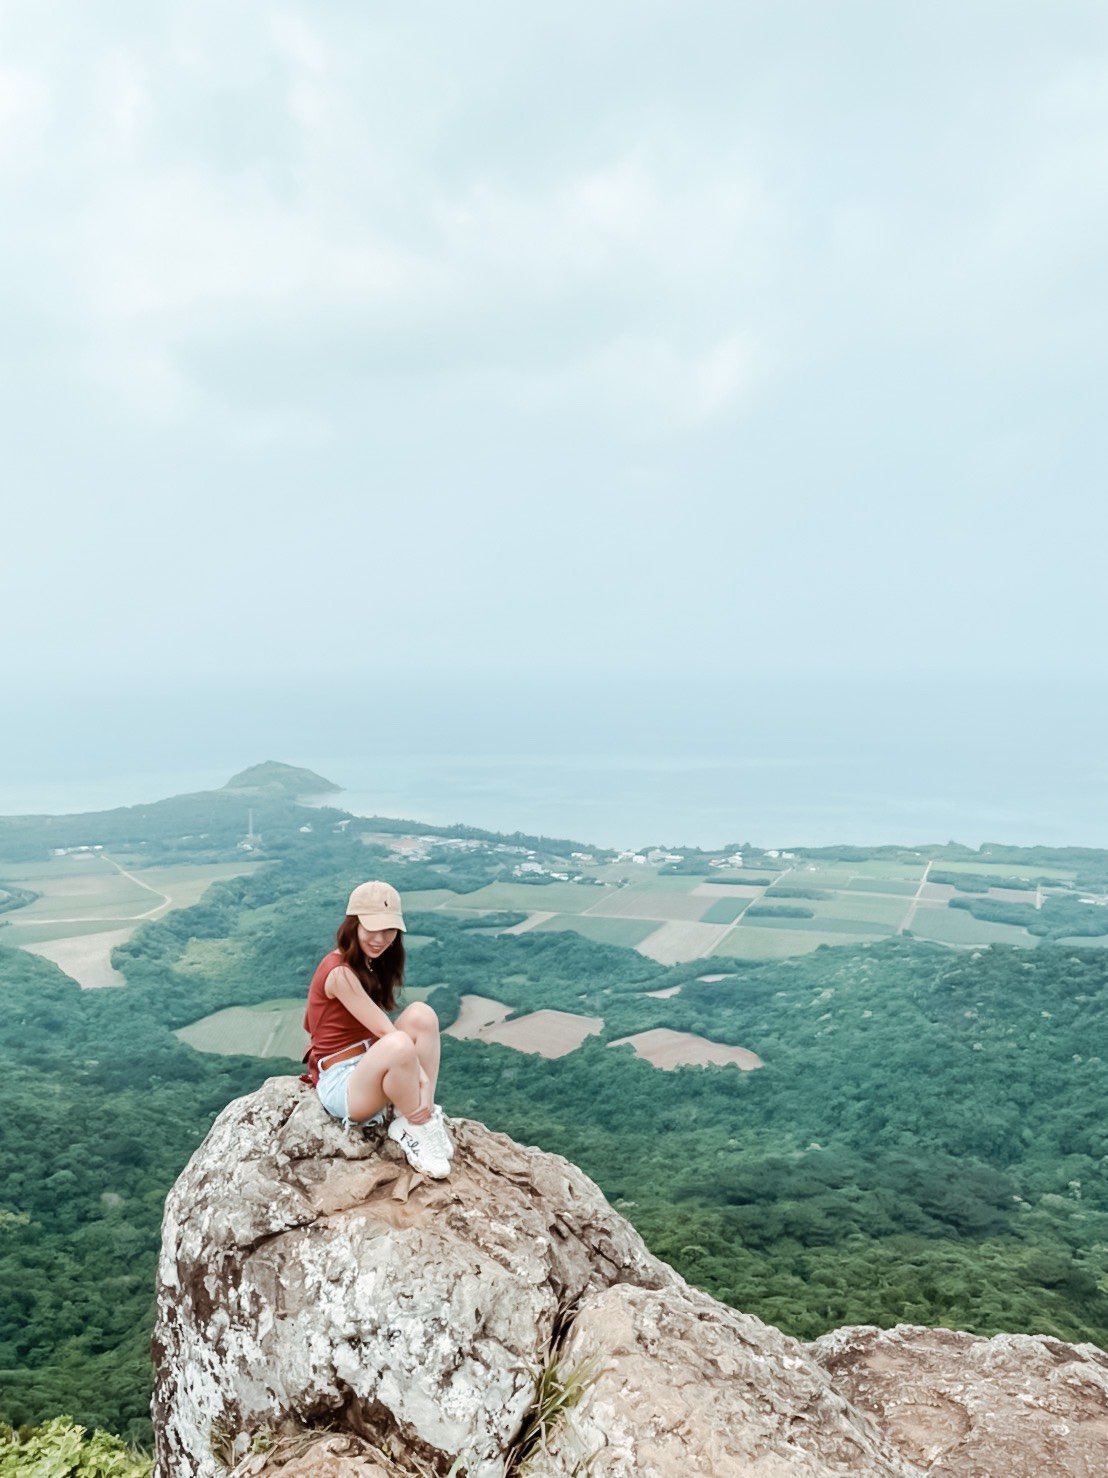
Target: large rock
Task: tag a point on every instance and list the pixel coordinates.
(305, 1280)
(685, 1385)
(323, 1312)
(1015, 1406)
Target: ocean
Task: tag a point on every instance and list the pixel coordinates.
(803, 764)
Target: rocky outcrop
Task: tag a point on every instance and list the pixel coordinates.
(957, 1403)
(323, 1311)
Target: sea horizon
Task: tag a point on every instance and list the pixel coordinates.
(626, 801)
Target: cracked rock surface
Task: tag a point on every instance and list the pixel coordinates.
(1017, 1405)
(308, 1280)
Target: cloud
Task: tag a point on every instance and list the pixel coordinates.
(552, 266)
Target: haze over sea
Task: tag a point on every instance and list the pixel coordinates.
(653, 760)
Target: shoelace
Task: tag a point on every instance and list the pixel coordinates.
(439, 1135)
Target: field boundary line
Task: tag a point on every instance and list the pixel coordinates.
(916, 899)
(758, 899)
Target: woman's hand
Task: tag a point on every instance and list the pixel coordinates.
(426, 1103)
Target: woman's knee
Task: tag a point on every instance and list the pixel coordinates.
(419, 1017)
(394, 1050)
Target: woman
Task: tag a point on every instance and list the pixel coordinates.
(359, 1059)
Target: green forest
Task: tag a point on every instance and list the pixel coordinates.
(925, 1143)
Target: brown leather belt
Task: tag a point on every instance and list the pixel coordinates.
(344, 1053)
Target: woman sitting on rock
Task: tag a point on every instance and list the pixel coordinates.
(359, 1059)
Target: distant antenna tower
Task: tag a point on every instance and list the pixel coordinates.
(250, 837)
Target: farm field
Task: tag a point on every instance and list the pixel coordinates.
(475, 1013)
(726, 910)
(873, 909)
(663, 904)
(639, 876)
(272, 1029)
(958, 926)
(669, 1050)
(1002, 870)
(779, 944)
(628, 932)
(676, 942)
(893, 887)
(494, 897)
(32, 933)
(830, 925)
(86, 958)
(86, 908)
(95, 894)
(430, 898)
(676, 918)
(545, 1033)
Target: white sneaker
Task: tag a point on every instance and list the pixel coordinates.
(421, 1148)
(443, 1136)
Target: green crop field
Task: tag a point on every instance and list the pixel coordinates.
(627, 932)
(887, 912)
(828, 924)
(187, 883)
(958, 926)
(817, 877)
(816, 926)
(270, 1029)
(998, 871)
(879, 867)
(56, 867)
(100, 895)
(640, 875)
(895, 887)
(524, 897)
(430, 898)
(273, 1029)
(44, 933)
(663, 905)
(725, 910)
(777, 944)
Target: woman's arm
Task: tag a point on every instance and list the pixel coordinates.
(343, 985)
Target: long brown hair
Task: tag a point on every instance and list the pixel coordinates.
(383, 980)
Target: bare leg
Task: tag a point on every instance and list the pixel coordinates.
(419, 1022)
(387, 1073)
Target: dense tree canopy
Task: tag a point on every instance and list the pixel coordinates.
(926, 1140)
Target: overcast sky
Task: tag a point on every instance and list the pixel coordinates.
(728, 337)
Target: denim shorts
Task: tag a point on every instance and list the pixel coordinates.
(332, 1093)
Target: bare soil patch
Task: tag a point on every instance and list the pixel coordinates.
(532, 921)
(663, 995)
(669, 1049)
(546, 1033)
(674, 943)
(711, 979)
(85, 958)
(476, 1014)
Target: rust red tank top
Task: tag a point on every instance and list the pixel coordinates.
(327, 1021)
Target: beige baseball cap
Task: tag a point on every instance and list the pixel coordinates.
(377, 906)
